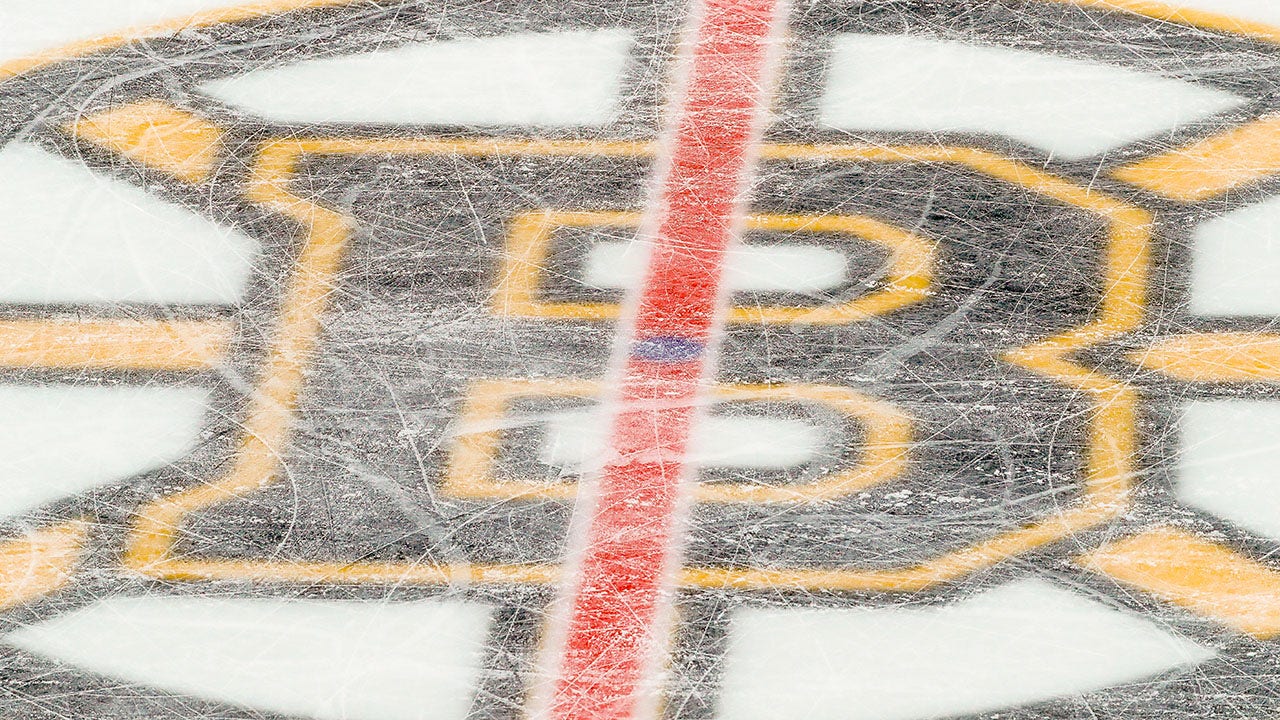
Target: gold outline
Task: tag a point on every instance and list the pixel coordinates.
(1213, 357)
(469, 472)
(529, 237)
(1205, 577)
(1241, 155)
(1114, 401)
(1108, 470)
(156, 134)
(40, 563)
(114, 344)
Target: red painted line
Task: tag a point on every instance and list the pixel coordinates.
(615, 629)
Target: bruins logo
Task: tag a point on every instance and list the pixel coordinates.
(871, 360)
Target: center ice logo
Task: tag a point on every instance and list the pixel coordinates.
(940, 355)
(885, 449)
(1105, 479)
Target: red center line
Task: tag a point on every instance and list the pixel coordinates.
(614, 632)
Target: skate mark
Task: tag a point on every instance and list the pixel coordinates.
(209, 18)
(1214, 357)
(603, 652)
(1171, 12)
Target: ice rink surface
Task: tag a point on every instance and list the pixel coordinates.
(548, 360)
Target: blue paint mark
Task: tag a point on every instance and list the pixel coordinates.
(667, 349)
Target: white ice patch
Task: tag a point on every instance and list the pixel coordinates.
(71, 235)
(1266, 11)
(1021, 643)
(1068, 107)
(726, 441)
(1236, 262)
(1229, 464)
(29, 27)
(59, 440)
(331, 660)
(758, 268)
(544, 79)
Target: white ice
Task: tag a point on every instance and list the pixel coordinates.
(759, 268)
(1236, 262)
(1069, 107)
(1023, 642)
(60, 440)
(29, 27)
(570, 78)
(73, 235)
(726, 441)
(324, 659)
(1266, 11)
(1229, 464)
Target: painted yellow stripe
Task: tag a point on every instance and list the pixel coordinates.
(156, 134)
(1213, 166)
(354, 573)
(1214, 357)
(1184, 16)
(1207, 578)
(114, 344)
(40, 563)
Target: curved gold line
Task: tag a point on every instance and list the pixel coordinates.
(1108, 465)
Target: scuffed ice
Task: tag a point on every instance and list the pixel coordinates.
(883, 403)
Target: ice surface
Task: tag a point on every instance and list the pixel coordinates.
(548, 79)
(71, 235)
(57, 440)
(1256, 10)
(1237, 257)
(761, 268)
(1014, 644)
(985, 428)
(725, 441)
(28, 28)
(1067, 106)
(1229, 466)
(327, 660)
